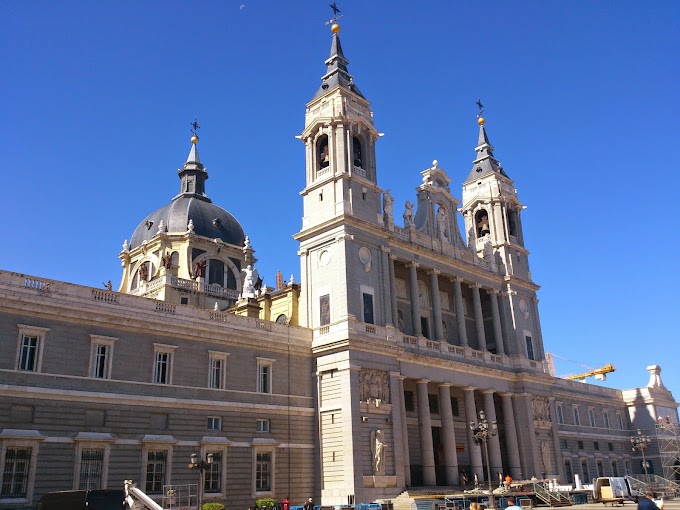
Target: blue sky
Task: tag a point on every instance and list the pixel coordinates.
(581, 105)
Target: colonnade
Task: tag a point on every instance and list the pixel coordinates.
(448, 434)
(496, 310)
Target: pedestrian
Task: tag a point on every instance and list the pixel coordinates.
(508, 482)
(647, 503)
(463, 479)
(309, 505)
(512, 505)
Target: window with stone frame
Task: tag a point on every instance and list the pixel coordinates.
(264, 375)
(163, 363)
(101, 356)
(156, 471)
(91, 468)
(30, 348)
(16, 473)
(217, 370)
(605, 416)
(433, 401)
(324, 310)
(576, 415)
(213, 474)
(409, 401)
(591, 417)
(560, 413)
(264, 471)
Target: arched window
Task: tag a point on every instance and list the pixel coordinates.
(482, 223)
(512, 223)
(322, 152)
(356, 148)
(174, 259)
(216, 272)
(282, 319)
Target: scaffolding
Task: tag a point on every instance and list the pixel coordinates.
(668, 438)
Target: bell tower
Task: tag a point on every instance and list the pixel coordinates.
(492, 211)
(339, 138)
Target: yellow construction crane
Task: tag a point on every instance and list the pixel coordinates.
(597, 373)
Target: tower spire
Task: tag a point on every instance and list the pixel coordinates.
(337, 74)
(194, 174)
(485, 162)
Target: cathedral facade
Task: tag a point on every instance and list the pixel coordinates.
(352, 385)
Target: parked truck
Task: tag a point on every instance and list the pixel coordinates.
(613, 489)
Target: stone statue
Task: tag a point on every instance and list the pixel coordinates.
(190, 226)
(126, 247)
(144, 272)
(655, 377)
(388, 202)
(199, 269)
(408, 215)
(378, 450)
(441, 224)
(540, 408)
(374, 386)
(545, 456)
(246, 243)
(166, 260)
(249, 278)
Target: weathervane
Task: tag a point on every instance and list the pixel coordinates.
(481, 108)
(194, 127)
(335, 17)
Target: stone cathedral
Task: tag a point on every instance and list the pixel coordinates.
(353, 385)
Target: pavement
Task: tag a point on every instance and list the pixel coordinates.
(668, 504)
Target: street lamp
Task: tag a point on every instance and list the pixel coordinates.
(641, 443)
(480, 433)
(201, 465)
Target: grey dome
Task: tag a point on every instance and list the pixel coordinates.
(209, 220)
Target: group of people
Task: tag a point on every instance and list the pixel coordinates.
(285, 505)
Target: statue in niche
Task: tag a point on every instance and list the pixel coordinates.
(540, 408)
(374, 386)
(378, 452)
(166, 260)
(408, 214)
(441, 224)
(388, 202)
(545, 456)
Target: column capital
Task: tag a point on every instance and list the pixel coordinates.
(444, 385)
(414, 264)
(487, 392)
(535, 299)
(458, 279)
(476, 285)
(392, 256)
(385, 249)
(422, 381)
(469, 388)
(493, 291)
(505, 394)
(303, 252)
(434, 271)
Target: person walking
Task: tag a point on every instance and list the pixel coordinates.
(309, 505)
(512, 505)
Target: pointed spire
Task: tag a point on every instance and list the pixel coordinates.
(193, 153)
(193, 175)
(485, 162)
(337, 74)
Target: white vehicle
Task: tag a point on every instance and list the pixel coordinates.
(137, 500)
(613, 489)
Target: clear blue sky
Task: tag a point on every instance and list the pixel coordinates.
(581, 105)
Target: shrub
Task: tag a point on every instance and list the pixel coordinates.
(266, 503)
(213, 506)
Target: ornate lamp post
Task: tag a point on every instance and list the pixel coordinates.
(481, 432)
(201, 465)
(640, 443)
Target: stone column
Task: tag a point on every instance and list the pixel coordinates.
(448, 435)
(398, 426)
(558, 469)
(511, 437)
(425, 428)
(404, 433)
(436, 306)
(479, 318)
(415, 299)
(460, 311)
(532, 444)
(497, 330)
(493, 443)
(393, 290)
(475, 450)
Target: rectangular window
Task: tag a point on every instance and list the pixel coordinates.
(584, 470)
(560, 414)
(100, 362)
(368, 308)
(605, 415)
(615, 468)
(15, 473)
(596, 445)
(433, 400)
(600, 468)
(91, 467)
(409, 401)
(155, 471)
(28, 357)
(577, 417)
(580, 445)
(263, 426)
(610, 446)
(530, 347)
(619, 421)
(264, 375)
(454, 406)
(564, 444)
(163, 359)
(425, 327)
(325, 310)
(567, 470)
(591, 417)
(263, 471)
(216, 369)
(214, 423)
(213, 474)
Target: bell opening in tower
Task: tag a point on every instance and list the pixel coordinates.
(482, 223)
(356, 147)
(323, 158)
